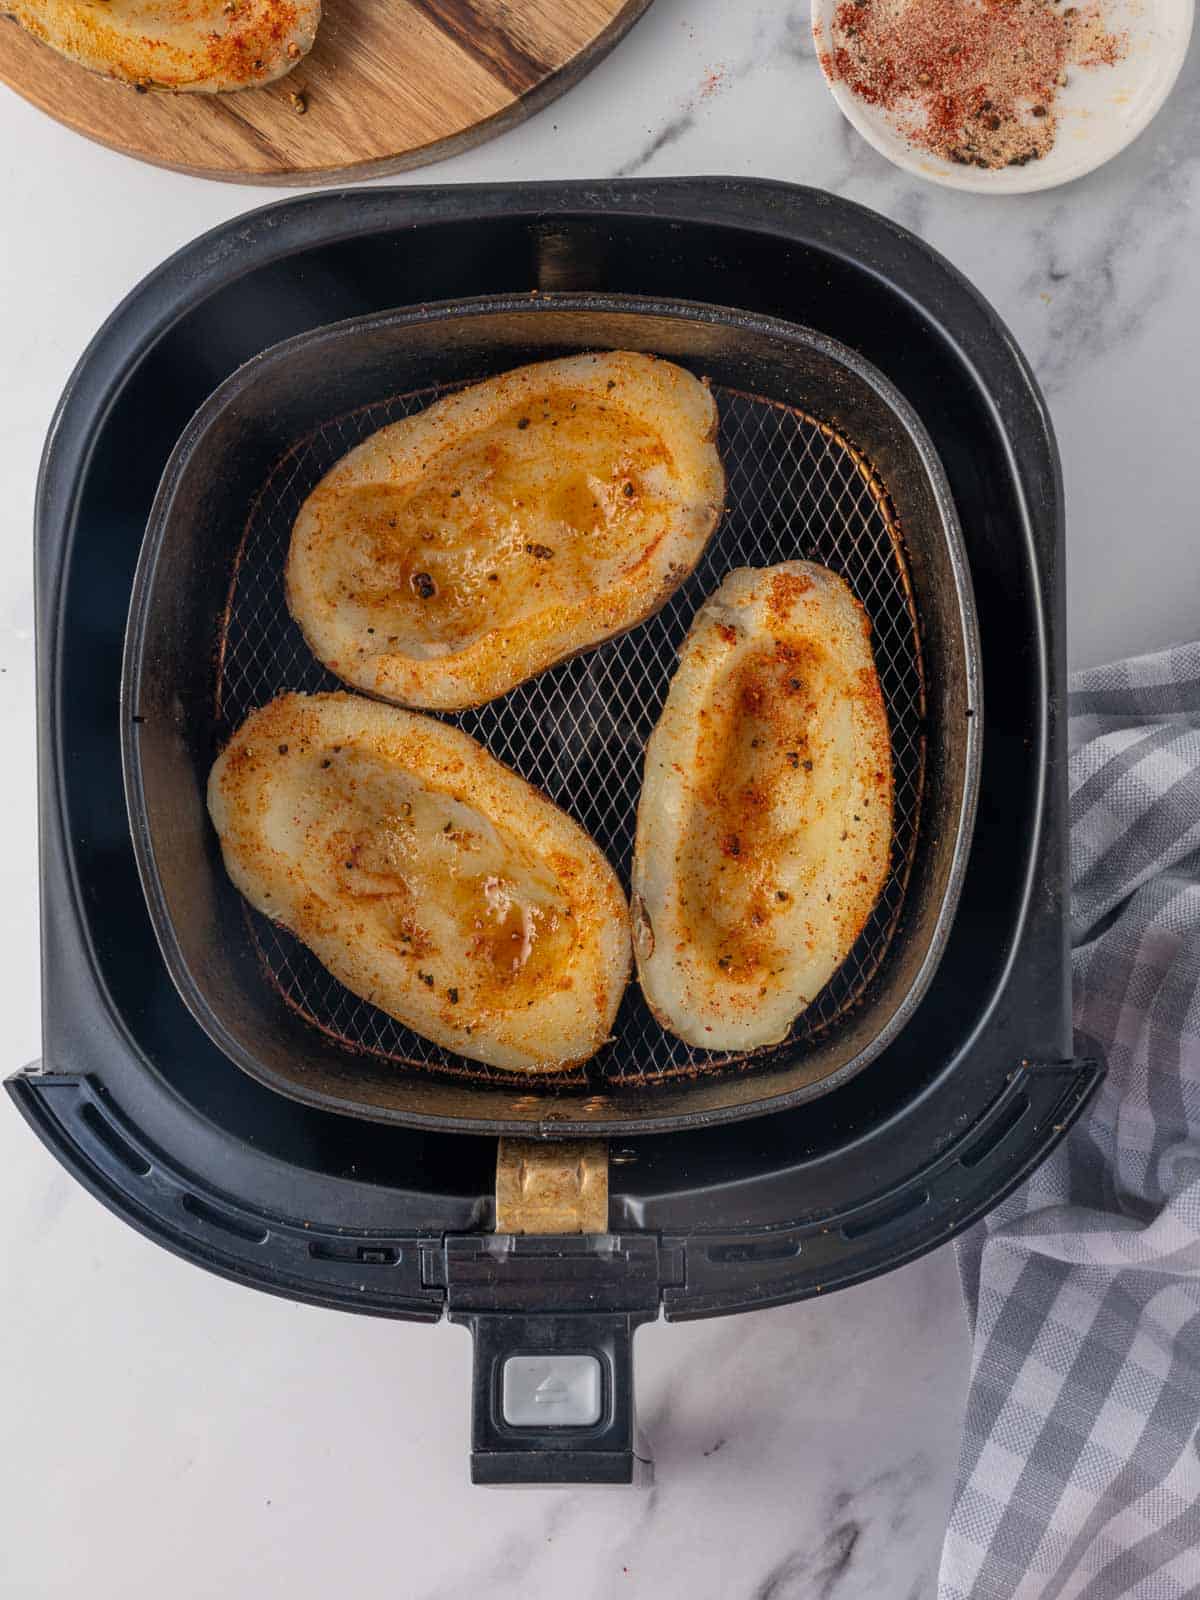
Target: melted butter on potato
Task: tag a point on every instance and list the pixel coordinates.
(426, 876)
(452, 555)
(765, 826)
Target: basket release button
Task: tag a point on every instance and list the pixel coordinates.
(551, 1391)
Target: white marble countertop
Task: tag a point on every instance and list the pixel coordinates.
(162, 1431)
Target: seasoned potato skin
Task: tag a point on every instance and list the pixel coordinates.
(426, 876)
(765, 823)
(201, 46)
(452, 555)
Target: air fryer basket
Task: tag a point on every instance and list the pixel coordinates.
(286, 1195)
(825, 461)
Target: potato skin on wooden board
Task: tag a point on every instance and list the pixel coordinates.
(191, 46)
(508, 526)
(426, 876)
(765, 823)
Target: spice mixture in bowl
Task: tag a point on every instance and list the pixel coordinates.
(995, 85)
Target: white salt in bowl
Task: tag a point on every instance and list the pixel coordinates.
(1101, 110)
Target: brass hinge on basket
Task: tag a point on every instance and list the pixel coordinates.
(552, 1187)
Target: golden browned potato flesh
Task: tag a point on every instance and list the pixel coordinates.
(455, 554)
(765, 824)
(204, 46)
(427, 877)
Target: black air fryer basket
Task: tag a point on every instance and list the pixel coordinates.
(209, 589)
(228, 1098)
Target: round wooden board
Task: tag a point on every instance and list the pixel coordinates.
(389, 84)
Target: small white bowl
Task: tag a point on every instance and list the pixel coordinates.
(1101, 110)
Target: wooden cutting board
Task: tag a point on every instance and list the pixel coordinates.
(389, 84)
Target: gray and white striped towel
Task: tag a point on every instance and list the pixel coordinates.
(1080, 1474)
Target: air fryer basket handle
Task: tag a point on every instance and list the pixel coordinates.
(552, 1398)
(553, 1318)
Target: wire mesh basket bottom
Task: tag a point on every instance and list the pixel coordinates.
(796, 490)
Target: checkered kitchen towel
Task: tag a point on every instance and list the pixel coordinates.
(1080, 1470)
